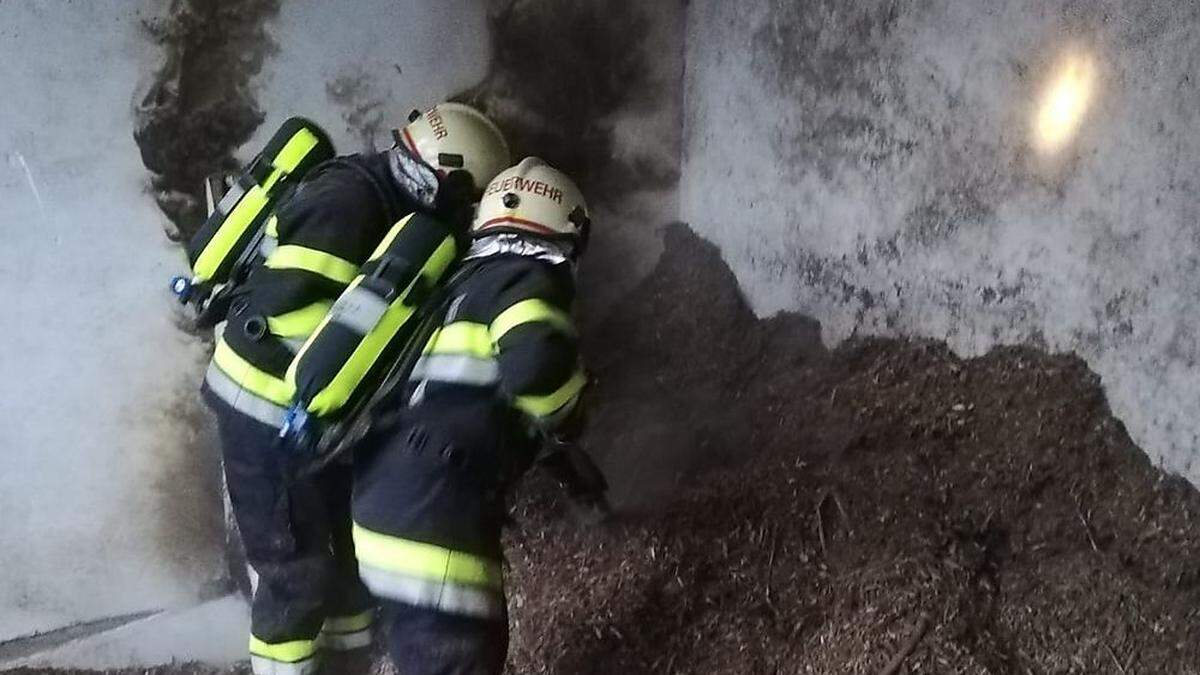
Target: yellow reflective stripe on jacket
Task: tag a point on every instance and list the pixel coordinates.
(217, 250)
(427, 561)
(529, 311)
(368, 351)
(461, 337)
(390, 237)
(273, 227)
(349, 624)
(284, 652)
(541, 406)
(293, 257)
(479, 340)
(301, 322)
(249, 377)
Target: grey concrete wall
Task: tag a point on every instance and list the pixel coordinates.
(108, 474)
(872, 164)
(105, 491)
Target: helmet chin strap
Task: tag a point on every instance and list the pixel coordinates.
(417, 179)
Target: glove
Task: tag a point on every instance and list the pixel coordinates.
(455, 202)
(585, 484)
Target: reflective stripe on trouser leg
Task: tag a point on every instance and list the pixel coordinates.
(343, 633)
(243, 401)
(444, 596)
(426, 575)
(297, 657)
(260, 665)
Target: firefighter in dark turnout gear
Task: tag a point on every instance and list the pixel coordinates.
(296, 531)
(499, 376)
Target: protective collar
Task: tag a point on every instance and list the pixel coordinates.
(417, 179)
(553, 252)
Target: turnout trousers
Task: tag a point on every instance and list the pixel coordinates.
(427, 520)
(297, 538)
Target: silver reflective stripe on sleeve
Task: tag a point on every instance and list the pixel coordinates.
(260, 665)
(456, 368)
(358, 309)
(445, 597)
(241, 400)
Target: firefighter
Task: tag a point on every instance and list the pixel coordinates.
(296, 531)
(500, 376)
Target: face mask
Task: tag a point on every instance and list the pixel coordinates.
(416, 178)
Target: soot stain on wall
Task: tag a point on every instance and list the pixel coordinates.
(191, 115)
(838, 65)
(595, 89)
(198, 108)
(560, 69)
(825, 51)
(186, 479)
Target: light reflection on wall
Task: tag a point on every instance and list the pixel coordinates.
(1064, 103)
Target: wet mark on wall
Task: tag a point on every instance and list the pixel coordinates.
(198, 108)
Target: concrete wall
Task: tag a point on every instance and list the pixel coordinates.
(871, 164)
(104, 495)
(108, 493)
(359, 73)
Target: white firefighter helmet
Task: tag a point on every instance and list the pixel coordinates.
(453, 136)
(534, 198)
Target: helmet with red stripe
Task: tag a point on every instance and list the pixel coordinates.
(453, 137)
(534, 198)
